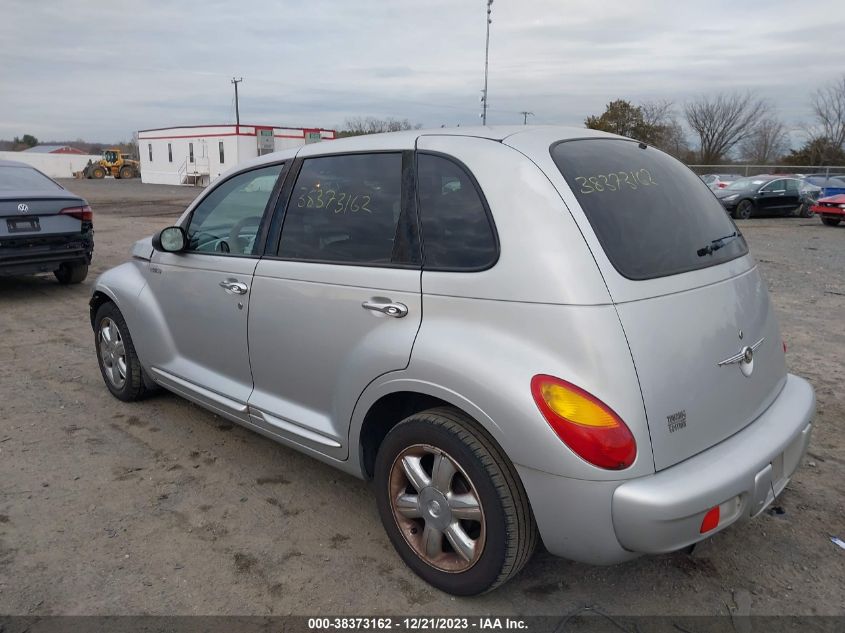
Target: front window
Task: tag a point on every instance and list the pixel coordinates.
(652, 215)
(226, 222)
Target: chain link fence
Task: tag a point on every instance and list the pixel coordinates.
(756, 170)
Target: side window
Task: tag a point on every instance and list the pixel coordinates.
(169, 153)
(190, 152)
(776, 185)
(456, 231)
(222, 155)
(226, 221)
(791, 186)
(150, 150)
(348, 209)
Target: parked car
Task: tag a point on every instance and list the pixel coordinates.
(765, 194)
(828, 185)
(43, 226)
(510, 331)
(831, 209)
(719, 181)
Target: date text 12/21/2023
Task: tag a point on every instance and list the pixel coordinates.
(418, 623)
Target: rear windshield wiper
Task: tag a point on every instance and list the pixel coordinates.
(716, 244)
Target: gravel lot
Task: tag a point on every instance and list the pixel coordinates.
(162, 508)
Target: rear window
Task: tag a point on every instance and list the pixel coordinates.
(25, 179)
(652, 215)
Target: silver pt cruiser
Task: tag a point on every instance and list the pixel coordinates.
(516, 333)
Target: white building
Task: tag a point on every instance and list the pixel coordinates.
(197, 154)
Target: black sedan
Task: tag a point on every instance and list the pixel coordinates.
(764, 195)
(43, 226)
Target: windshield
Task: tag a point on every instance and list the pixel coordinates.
(25, 179)
(747, 183)
(110, 156)
(652, 215)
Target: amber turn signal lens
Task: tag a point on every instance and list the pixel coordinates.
(584, 423)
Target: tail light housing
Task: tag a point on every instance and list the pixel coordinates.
(584, 423)
(722, 185)
(80, 213)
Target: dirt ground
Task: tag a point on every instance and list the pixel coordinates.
(163, 508)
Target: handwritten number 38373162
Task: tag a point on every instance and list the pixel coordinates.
(616, 181)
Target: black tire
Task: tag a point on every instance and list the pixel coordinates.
(831, 221)
(510, 533)
(744, 209)
(137, 384)
(71, 273)
(98, 173)
(127, 172)
(806, 210)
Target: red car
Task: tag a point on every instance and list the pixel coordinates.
(831, 209)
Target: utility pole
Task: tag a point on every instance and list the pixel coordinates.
(525, 114)
(486, 58)
(237, 109)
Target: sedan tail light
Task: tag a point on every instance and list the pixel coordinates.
(722, 185)
(584, 423)
(80, 213)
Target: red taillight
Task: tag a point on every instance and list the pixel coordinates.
(784, 346)
(80, 213)
(723, 185)
(584, 423)
(710, 520)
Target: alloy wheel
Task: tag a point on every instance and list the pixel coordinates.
(112, 353)
(437, 508)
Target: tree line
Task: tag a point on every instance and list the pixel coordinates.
(730, 125)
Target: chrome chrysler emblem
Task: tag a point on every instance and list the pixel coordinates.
(23, 208)
(745, 358)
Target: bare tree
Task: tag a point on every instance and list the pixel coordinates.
(829, 107)
(767, 143)
(668, 134)
(357, 125)
(723, 121)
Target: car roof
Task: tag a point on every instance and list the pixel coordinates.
(407, 140)
(14, 163)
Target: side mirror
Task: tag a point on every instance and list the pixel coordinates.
(170, 240)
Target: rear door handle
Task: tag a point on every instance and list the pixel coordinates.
(233, 286)
(395, 310)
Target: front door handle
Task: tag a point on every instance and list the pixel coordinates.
(395, 310)
(234, 287)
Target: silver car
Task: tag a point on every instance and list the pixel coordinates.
(516, 333)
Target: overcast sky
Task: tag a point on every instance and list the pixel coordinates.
(101, 70)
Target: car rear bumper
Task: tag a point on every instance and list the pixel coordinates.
(44, 253)
(606, 522)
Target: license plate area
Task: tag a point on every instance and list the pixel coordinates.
(23, 225)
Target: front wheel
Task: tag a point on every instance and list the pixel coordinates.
(127, 172)
(743, 210)
(452, 504)
(98, 173)
(831, 221)
(119, 364)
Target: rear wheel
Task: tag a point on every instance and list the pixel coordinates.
(831, 221)
(119, 364)
(743, 210)
(806, 210)
(71, 273)
(452, 504)
(127, 172)
(98, 173)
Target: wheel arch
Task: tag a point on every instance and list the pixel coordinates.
(382, 407)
